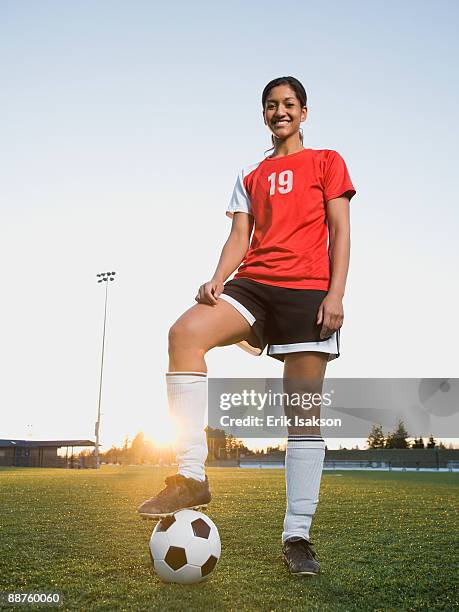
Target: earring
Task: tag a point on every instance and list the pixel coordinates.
(301, 135)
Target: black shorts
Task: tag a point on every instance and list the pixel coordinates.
(280, 317)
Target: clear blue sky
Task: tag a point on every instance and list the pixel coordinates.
(123, 127)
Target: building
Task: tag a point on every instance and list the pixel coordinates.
(41, 453)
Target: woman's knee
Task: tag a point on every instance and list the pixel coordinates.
(185, 335)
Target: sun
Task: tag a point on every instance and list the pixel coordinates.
(162, 434)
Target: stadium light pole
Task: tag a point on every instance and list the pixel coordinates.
(103, 277)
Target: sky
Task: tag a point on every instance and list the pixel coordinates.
(123, 128)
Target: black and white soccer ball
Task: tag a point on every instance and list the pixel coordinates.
(185, 547)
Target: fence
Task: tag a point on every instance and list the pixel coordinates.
(383, 466)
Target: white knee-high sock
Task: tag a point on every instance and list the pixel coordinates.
(304, 460)
(187, 396)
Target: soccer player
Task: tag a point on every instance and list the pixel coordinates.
(286, 295)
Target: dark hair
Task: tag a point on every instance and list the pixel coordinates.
(297, 87)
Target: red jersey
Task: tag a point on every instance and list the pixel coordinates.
(287, 197)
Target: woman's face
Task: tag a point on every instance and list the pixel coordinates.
(283, 113)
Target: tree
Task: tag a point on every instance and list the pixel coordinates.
(418, 443)
(398, 437)
(111, 456)
(431, 443)
(234, 447)
(375, 437)
(273, 449)
(125, 454)
(216, 443)
(138, 449)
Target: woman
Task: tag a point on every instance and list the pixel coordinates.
(286, 295)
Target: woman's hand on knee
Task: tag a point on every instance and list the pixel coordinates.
(209, 292)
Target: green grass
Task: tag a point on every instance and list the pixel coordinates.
(386, 541)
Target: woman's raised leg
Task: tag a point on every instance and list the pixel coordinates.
(201, 328)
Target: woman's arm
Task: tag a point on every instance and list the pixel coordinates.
(340, 243)
(233, 253)
(331, 313)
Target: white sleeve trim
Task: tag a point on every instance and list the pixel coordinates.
(240, 200)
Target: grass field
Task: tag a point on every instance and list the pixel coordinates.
(386, 541)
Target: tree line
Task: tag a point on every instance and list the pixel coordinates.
(139, 451)
(223, 446)
(398, 438)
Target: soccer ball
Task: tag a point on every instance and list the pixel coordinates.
(185, 547)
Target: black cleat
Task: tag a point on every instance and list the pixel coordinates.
(300, 558)
(180, 493)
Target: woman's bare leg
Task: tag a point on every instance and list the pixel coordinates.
(201, 328)
(303, 373)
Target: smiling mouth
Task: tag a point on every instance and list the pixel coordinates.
(281, 123)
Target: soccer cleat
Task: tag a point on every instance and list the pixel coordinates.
(180, 493)
(299, 557)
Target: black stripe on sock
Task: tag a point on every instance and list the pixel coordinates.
(305, 440)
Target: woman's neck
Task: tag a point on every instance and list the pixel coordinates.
(287, 147)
